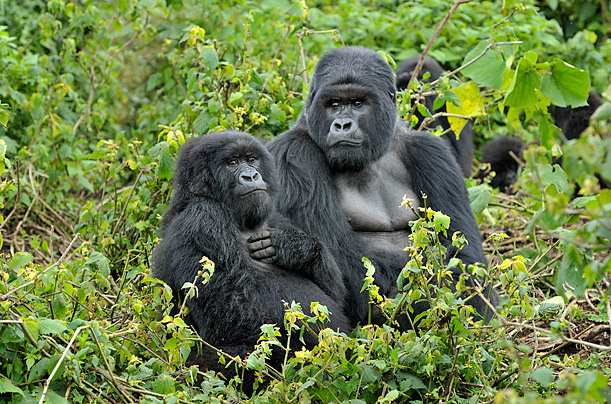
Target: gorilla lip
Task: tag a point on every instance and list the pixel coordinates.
(252, 191)
(351, 143)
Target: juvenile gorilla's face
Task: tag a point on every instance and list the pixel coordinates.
(249, 194)
(232, 168)
(351, 109)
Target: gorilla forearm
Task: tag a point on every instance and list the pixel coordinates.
(298, 251)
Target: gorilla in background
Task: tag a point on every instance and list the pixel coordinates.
(573, 121)
(462, 147)
(223, 208)
(498, 154)
(346, 165)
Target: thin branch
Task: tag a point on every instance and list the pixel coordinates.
(111, 375)
(59, 362)
(420, 63)
(481, 55)
(539, 329)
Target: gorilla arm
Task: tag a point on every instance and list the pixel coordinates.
(295, 250)
(435, 172)
(438, 177)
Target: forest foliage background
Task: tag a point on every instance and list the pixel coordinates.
(96, 98)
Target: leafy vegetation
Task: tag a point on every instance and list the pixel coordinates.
(96, 98)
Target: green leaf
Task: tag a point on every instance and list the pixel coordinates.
(210, 58)
(6, 386)
(555, 175)
(200, 124)
(53, 398)
(566, 85)
(479, 197)
(370, 374)
(49, 326)
(101, 261)
(544, 376)
(164, 384)
(592, 383)
(20, 259)
(166, 163)
(2, 149)
(32, 327)
(488, 70)
(441, 221)
(526, 80)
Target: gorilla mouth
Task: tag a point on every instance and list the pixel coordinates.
(253, 191)
(347, 142)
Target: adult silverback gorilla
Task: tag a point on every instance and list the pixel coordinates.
(223, 208)
(346, 165)
(461, 147)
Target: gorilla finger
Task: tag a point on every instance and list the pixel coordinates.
(259, 245)
(269, 252)
(270, 260)
(260, 235)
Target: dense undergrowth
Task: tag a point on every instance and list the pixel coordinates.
(95, 99)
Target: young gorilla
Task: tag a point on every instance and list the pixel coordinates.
(573, 121)
(222, 208)
(347, 164)
(461, 147)
(499, 154)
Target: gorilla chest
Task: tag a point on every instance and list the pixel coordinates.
(371, 198)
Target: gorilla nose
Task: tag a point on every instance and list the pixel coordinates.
(250, 177)
(344, 131)
(342, 125)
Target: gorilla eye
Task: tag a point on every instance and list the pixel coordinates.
(233, 163)
(250, 159)
(357, 103)
(334, 103)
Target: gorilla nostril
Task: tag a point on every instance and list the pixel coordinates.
(347, 126)
(337, 126)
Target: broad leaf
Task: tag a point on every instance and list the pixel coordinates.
(488, 70)
(566, 85)
(471, 104)
(526, 80)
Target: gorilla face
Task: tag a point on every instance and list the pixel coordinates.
(230, 167)
(351, 108)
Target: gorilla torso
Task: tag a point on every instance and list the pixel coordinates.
(346, 165)
(371, 201)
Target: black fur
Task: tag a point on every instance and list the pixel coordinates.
(461, 147)
(498, 154)
(573, 121)
(222, 208)
(310, 171)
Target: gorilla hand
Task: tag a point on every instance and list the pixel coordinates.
(261, 247)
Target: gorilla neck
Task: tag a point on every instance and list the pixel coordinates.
(252, 212)
(371, 197)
